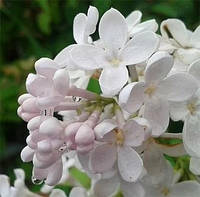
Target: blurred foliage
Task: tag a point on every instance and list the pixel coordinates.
(30, 29)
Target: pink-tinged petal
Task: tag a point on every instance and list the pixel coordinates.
(158, 67)
(46, 67)
(113, 30)
(88, 57)
(150, 25)
(134, 133)
(71, 130)
(44, 146)
(156, 112)
(133, 19)
(34, 123)
(61, 81)
(23, 98)
(113, 79)
(79, 26)
(130, 164)
(178, 87)
(131, 97)
(185, 189)
(54, 173)
(30, 105)
(49, 101)
(195, 38)
(84, 135)
(175, 28)
(194, 70)
(39, 173)
(27, 154)
(78, 192)
(106, 187)
(63, 58)
(103, 158)
(104, 127)
(139, 48)
(38, 85)
(132, 189)
(51, 127)
(84, 149)
(28, 116)
(57, 193)
(195, 165)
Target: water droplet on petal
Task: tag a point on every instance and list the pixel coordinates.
(37, 181)
(76, 99)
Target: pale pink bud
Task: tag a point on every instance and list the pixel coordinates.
(27, 154)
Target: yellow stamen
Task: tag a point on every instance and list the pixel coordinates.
(165, 191)
(119, 136)
(150, 90)
(115, 62)
(192, 108)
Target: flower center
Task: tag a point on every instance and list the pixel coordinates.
(119, 137)
(115, 62)
(150, 90)
(165, 191)
(192, 108)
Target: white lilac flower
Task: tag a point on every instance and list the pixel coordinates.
(184, 43)
(117, 146)
(118, 53)
(156, 91)
(161, 182)
(133, 21)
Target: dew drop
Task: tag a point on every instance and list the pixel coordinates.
(37, 181)
(76, 99)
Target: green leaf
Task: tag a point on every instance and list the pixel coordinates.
(94, 86)
(81, 177)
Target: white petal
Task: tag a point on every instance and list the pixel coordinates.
(132, 96)
(195, 165)
(156, 112)
(78, 192)
(178, 110)
(79, 26)
(113, 79)
(178, 87)
(139, 48)
(150, 25)
(4, 186)
(195, 39)
(113, 29)
(46, 67)
(106, 187)
(133, 19)
(63, 58)
(88, 57)
(191, 135)
(130, 164)
(19, 174)
(104, 127)
(134, 133)
(175, 28)
(194, 69)
(93, 16)
(61, 81)
(158, 67)
(57, 193)
(103, 158)
(159, 172)
(185, 189)
(132, 189)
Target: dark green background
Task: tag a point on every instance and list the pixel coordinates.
(30, 29)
